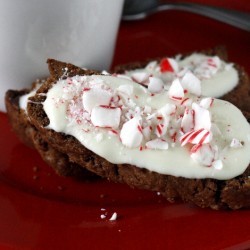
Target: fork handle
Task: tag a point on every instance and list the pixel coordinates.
(235, 18)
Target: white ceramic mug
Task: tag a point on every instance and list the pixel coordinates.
(82, 32)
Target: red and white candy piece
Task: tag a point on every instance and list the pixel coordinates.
(174, 64)
(168, 65)
(176, 91)
(186, 102)
(214, 62)
(206, 102)
(191, 83)
(206, 155)
(173, 134)
(104, 116)
(187, 122)
(95, 97)
(157, 144)
(200, 137)
(131, 133)
(140, 77)
(161, 128)
(208, 67)
(155, 85)
(201, 117)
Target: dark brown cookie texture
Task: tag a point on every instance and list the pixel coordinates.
(216, 194)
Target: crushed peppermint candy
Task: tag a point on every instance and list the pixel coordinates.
(190, 70)
(235, 143)
(206, 154)
(95, 97)
(113, 217)
(184, 121)
(206, 102)
(105, 116)
(155, 85)
(141, 77)
(176, 91)
(200, 137)
(191, 83)
(208, 67)
(131, 133)
(187, 122)
(105, 213)
(165, 66)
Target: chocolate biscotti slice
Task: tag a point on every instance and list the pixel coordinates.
(174, 142)
(219, 78)
(16, 110)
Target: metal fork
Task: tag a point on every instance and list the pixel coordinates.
(138, 9)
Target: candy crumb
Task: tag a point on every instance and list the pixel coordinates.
(113, 217)
(235, 143)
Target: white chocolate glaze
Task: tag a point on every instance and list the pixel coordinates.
(23, 101)
(69, 118)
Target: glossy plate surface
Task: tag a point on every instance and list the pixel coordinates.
(39, 210)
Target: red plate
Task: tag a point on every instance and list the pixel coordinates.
(40, 210)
